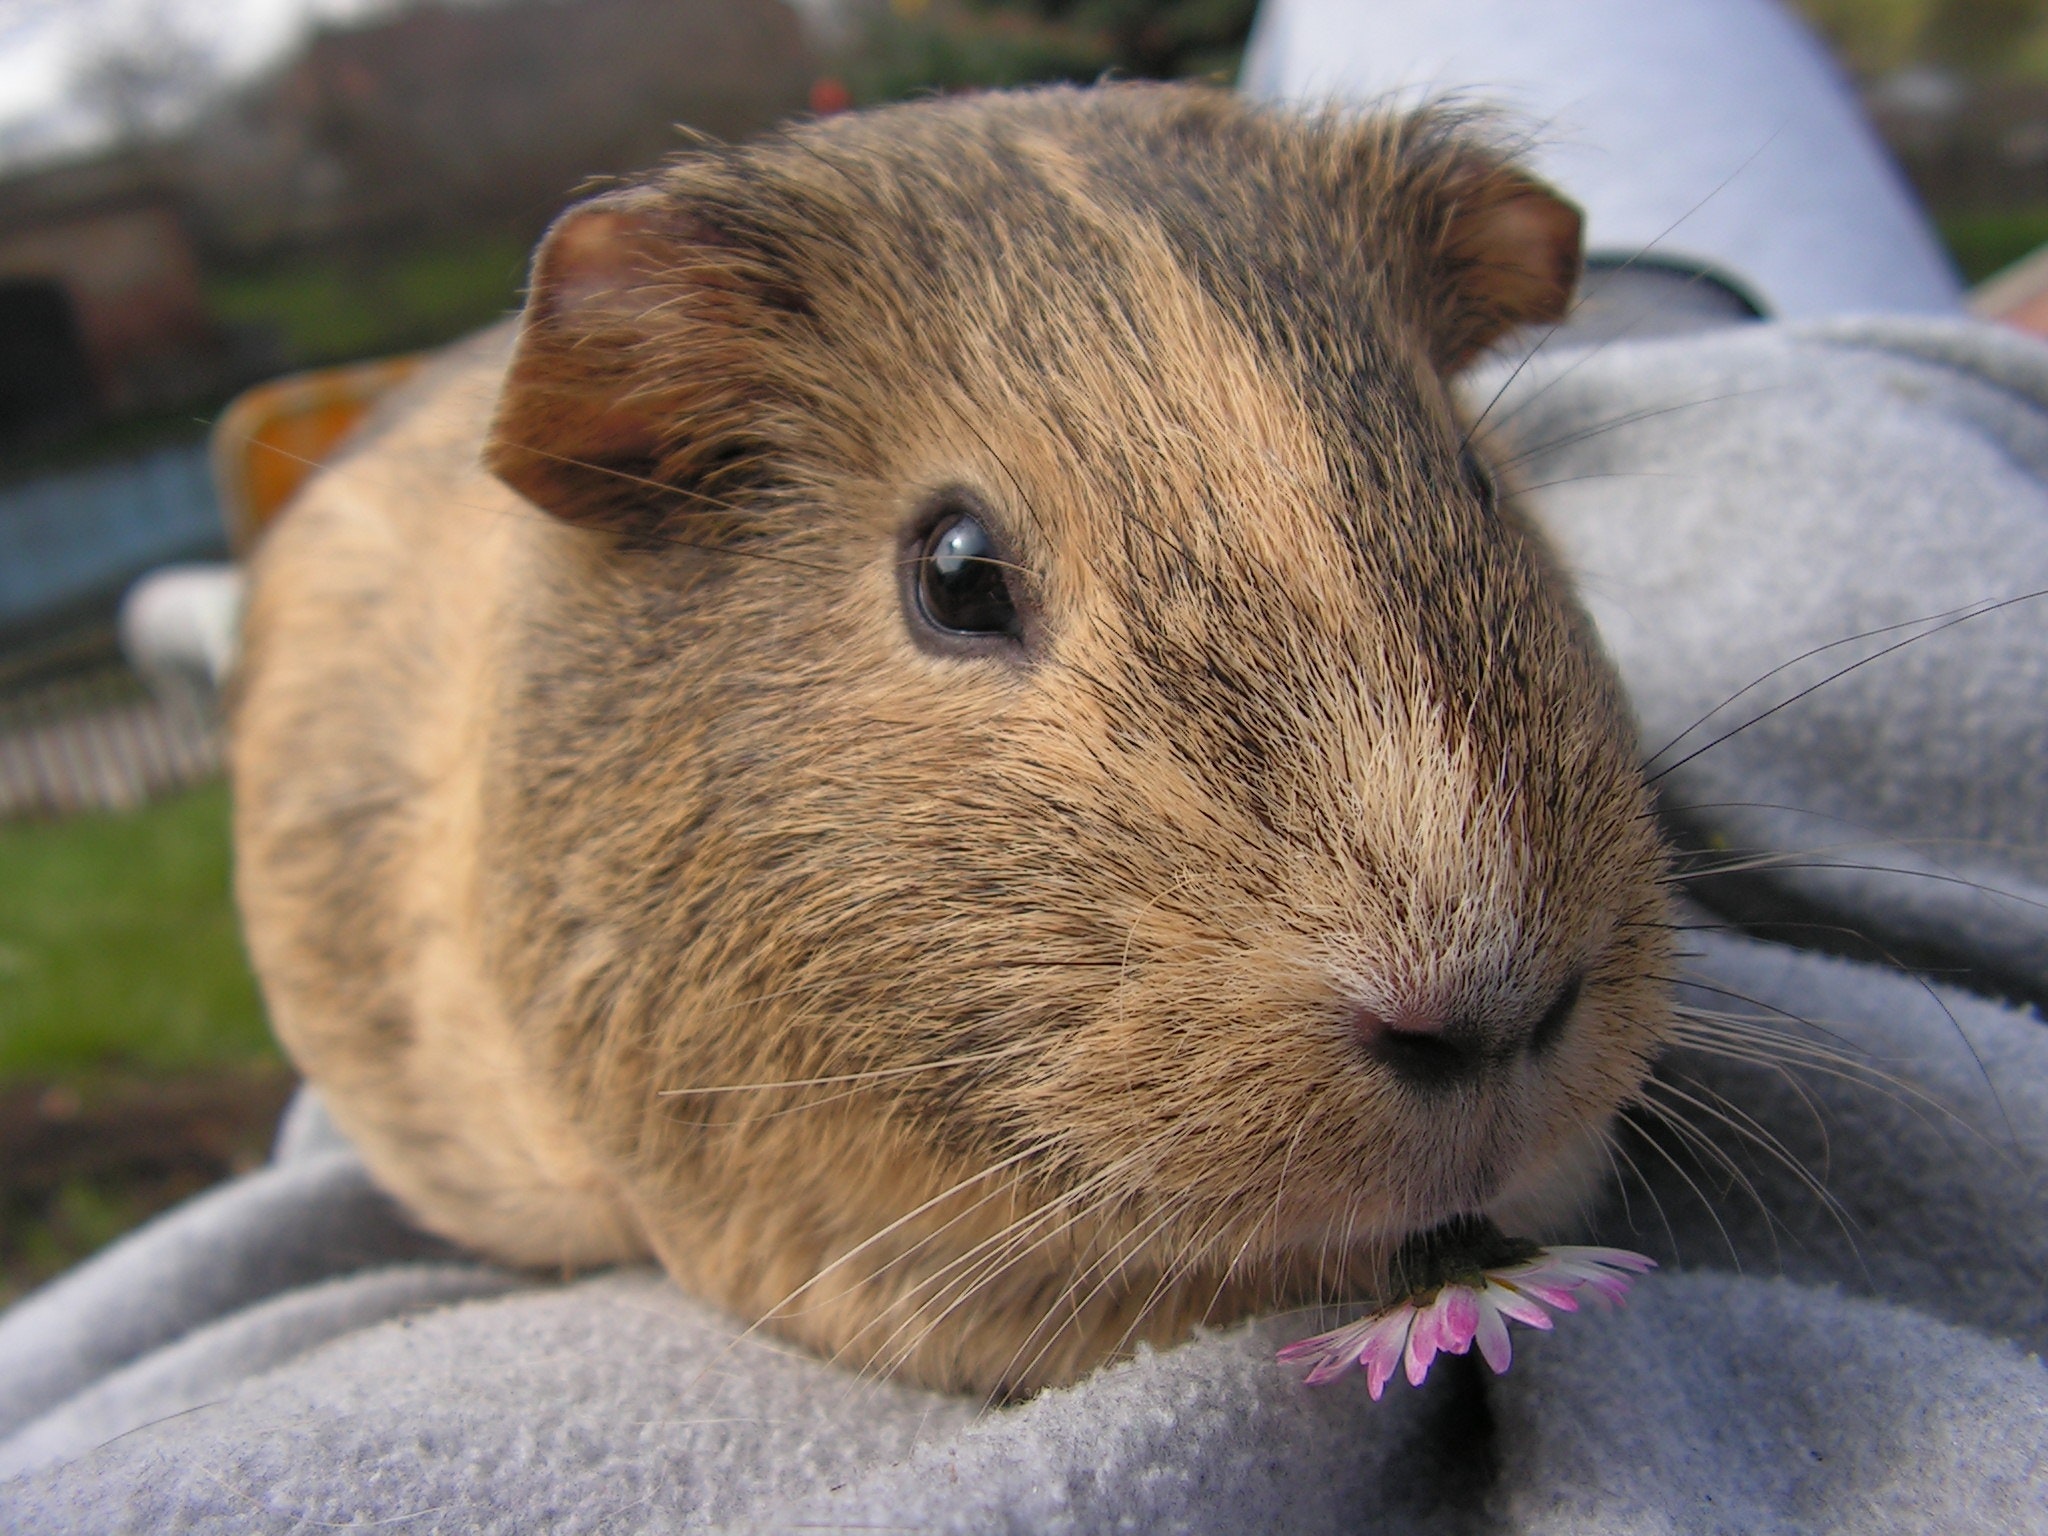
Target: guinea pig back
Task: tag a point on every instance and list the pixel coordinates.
(982, 773)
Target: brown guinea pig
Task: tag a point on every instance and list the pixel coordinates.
(988, 780)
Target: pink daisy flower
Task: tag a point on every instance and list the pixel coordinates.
(1464, 1283)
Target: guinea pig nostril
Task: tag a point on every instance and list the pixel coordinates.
(1554, 1019)
(1426, 1057)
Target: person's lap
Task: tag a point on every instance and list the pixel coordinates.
(291, 1351)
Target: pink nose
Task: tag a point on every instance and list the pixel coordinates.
(1427, 1045)
(1424, 1047)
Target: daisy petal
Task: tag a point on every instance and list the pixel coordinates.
(1492, 1334)
(1614, 1280)
(1455, 1316)
(1422, 1346)
(1610, 1292)
(1328, 1370)
(1457, 1310)
(1513, 1304)
(1370, 1340)
(1557, 1296)
(1303, 1349)
(1335, 1343)
(1384, 1350)
(1612, 1258)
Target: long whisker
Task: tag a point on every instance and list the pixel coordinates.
(997, 1053)
(1112, 1267)
(1579, 302)
(1176, 1270)
(1631, 419)
(1766, 1045)
(1799, 861)
(1014, 1160)
(1877, 836)
(1878, 655)
(1967, 610)
(1716, 1106)
(1617, 1156)
(1000, 1250)
(356, 475)
(1604, 474)
(1714, 1159)
(1662, 1114)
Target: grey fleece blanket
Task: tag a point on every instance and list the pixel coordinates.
(1853, 1215)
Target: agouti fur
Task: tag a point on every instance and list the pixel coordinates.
(636, 868)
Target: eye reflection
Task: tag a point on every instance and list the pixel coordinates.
(963, 583)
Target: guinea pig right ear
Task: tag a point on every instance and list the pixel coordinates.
(638, 364)
(1509, 253)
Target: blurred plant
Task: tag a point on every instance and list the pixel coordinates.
(1978, 37)
(329, 306)
(907, 46)
(1981, 35)
(1166, 41)
(1872, 37)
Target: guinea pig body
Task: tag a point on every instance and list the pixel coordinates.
(1000, 787)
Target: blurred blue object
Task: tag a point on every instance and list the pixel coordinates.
(70, 543)
(1712, 135)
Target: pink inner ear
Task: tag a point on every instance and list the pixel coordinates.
(588, 265)
(636, 358)
(1511, 251)
(1538, 235)
(1521, 251)
(596, 262)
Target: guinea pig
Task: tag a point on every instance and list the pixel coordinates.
(952, 740)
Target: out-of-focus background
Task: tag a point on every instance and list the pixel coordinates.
(198, 195)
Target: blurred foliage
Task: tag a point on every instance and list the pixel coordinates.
(326, 307)
(919, 45)
(40, 1240)
(1990, 37)
(119, 946)
(85, 1157)
(1990, 241)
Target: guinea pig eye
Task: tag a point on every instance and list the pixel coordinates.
(1480, 478)
(963, 581)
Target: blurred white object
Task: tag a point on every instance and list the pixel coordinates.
(1714, 133)
(179, 629)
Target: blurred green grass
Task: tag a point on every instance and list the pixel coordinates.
(119, 948)
(1990, 240)
(337, 307)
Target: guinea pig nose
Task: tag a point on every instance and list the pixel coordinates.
(1420, 1049)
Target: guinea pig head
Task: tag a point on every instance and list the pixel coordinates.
(1047, 799)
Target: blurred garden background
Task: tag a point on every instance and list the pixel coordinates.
(180, 219)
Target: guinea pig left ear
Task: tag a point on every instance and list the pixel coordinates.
(1508, 254)
(638, 366)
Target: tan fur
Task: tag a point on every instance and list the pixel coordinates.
(633, 879)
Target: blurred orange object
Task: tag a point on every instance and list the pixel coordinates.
(271, 438)
(830, 95)
(2018, 296)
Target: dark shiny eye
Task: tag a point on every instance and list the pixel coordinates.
(963, 579)
(1480, 478)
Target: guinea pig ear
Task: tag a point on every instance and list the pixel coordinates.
(1508, 253)
(637, 367)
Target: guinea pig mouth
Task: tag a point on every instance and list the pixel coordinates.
(1497, 1168)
